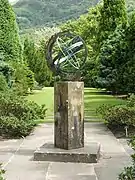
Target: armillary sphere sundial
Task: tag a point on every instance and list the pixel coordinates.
(66, 54)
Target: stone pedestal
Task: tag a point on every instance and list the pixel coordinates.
(89, 154)
(69, 115)
(68, 145)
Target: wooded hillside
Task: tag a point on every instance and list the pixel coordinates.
(37, 13)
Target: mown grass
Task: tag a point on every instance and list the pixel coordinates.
(93, 98)
(45, 96)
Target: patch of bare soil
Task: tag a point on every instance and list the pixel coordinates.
(121, 132)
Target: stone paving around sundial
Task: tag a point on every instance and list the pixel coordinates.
(17, 157)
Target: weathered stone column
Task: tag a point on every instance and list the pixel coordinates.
(69, 115)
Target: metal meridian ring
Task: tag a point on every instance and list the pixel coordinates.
(64, 51)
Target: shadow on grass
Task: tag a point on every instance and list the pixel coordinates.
(97, 93)
(98, 97)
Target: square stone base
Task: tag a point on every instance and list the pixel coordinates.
(89, 154)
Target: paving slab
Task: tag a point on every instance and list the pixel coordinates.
(71, 171)
(115, 155)
(125, 144)
(100, 133)
(17, 157)
(22, 168)
(77, 177)
(8, 148)
(109, 169)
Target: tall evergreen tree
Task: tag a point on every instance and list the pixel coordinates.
(35, 58)
(113, 13)
(112, 58)
(9, 39)
(112, 45)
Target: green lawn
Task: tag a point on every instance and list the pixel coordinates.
(93, 98)
(44, 96)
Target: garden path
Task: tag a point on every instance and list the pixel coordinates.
(17, 157)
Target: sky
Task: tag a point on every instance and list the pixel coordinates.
(13, 1)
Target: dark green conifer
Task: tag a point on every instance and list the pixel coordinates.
(9, 39)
